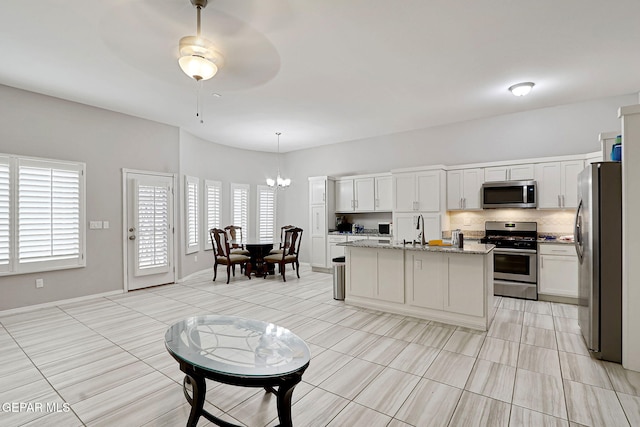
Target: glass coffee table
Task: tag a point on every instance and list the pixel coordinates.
(237, 351)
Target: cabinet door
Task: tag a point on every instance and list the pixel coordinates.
(464, 289)
(318, 251)
(454, 190)
(569, 182)
(318, 221)
(384, 194)
(559, 275)
(548, 185)
(432, 227)
(390, 276)
(362, 270)
(335, 251)
(498, 173)
(364, 196)
(428, 191)
(404, 227)
(404, 192)
(521, 172)
(424, 274)
(344, 195)
(317, 191)
(472, 180)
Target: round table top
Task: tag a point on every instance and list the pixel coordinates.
(237, 346)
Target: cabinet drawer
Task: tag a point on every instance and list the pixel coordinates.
(337, 239)
(562, 249)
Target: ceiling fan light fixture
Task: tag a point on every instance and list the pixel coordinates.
(521, 89)
(198, 57)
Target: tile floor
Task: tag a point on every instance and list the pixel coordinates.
(102, 362)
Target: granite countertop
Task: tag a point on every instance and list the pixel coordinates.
(469, 248)
(556, 241)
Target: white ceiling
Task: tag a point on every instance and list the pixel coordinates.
(322, 71)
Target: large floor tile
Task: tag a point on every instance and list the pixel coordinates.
(492, 380)
(354, 415)
(631, 406)
(349, 380)
(388, 391)
(475, 410)
(316, 409)
(450, 368)
(623, 380)
(539, 337)
(593, 406)
(415, 359)
(584, 369)
(540, 392)
(500, 351)
(522, 417)
(429, 404)
(539, 359)
(466, 343)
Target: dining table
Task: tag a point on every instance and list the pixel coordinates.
(258, 249)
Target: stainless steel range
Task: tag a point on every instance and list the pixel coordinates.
(515, 258)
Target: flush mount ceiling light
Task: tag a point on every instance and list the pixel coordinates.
(521, 89)
(279, 183)
(198, 57)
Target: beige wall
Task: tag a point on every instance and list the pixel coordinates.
(43, 126)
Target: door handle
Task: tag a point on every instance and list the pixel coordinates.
(132, 237)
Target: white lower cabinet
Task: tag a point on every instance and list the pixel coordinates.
(558, 270)
(336, 251)
(449, 282)
(376, 274)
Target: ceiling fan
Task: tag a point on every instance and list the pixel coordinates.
(199, 58)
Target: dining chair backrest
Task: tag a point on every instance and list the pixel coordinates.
(235, 235)
(220, 242)
(291, 243)
(282, 230)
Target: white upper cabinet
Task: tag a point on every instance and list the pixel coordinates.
(384, 193)
(317, 191)
(344, 195)
(463, 189)
(364, 192)
(522, 172)
(358, 194)
(557, 184)
(419, 191)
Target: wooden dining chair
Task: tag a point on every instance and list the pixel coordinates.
(289, 255)
(236, 240)
(222, 254)
(280, 246)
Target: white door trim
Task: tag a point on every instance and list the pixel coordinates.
(125, 237)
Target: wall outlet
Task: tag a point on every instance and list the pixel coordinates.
(105, 224)
(95, 225)
(195, 258)
(39, 283)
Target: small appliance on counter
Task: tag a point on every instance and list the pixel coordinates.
(357, 228)
(384, 228)
(342, 225)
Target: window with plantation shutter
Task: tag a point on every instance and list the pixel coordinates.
(266, 212)
(240, 207)
(212, 205)
(192, 210)
(5, 225)
(41, 215)
(152, 206)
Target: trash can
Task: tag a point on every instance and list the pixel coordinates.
(338, 277)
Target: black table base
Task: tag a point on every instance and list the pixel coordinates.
(281, 386)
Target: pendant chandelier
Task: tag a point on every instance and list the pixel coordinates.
(279, 183)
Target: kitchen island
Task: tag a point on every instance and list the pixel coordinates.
(439, 283)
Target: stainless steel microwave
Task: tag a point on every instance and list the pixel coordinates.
(509, 194)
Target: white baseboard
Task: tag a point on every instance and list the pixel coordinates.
(59, 302)
(185, 278)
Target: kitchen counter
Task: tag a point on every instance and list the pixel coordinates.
(469, 248)
(439, 283)
(556, 241)
(365, 233)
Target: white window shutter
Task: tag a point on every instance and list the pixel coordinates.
(192, 210)
(213, 205)
(49, 213)
(266, 212)
(240, 207)
(153, 228)
(5, 215)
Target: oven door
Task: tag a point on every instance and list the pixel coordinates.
(519, 265)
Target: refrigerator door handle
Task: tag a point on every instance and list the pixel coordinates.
(577, 233)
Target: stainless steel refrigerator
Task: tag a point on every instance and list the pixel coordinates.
(598, 240)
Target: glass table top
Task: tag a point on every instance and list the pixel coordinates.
(237, 346)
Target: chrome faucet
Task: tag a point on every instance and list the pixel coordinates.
(421, 235)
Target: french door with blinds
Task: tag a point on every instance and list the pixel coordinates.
(149, 210)
(266, 221)
(240, 207)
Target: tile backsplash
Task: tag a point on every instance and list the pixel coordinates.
(549, 221)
